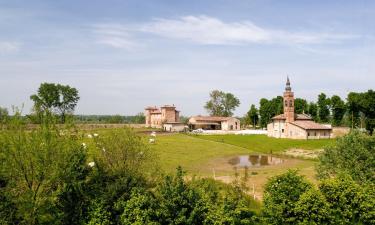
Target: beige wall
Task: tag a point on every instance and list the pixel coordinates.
(294, 132)
(231, 124)
(174, 127)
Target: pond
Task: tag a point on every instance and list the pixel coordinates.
(254, 160)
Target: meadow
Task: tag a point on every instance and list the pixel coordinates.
(208, 155)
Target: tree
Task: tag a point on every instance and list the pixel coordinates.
(68, 98)
(252, 116)
(55, 98)
(323, 108)
(312, 208)
(300, 105)
(352, 154)
(338, 110)
(221, 103)
(281, 195)
(353, 105)
(313, 111)
(269, 109)
(367, 107)
(35, 163)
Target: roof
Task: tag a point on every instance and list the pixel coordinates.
(310, 125)
(168, 106)
(297, 117)
(151, 108)
(211, 118)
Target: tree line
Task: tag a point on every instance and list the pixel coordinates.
(356, 111)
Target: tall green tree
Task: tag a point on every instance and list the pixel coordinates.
(55, 98)
(300, 106)
(252, 116)
(367, 106)
(221, 103)
(323, 108)
(313, 111)
(269, 109)
(338, 110)
(353, 106)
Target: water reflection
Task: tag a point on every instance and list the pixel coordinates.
(254, 160)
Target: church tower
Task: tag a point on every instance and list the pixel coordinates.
(288, 102)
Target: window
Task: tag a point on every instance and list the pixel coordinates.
(286, 103)
(231, 127)
(282, 130)
(290, 103)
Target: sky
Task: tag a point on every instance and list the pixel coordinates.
(124, 55)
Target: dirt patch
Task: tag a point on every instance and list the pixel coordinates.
(302, 153)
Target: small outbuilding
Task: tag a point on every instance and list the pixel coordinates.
(214, 123)
(174, 127)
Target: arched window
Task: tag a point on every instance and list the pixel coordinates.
(290, 103)
(286, 103)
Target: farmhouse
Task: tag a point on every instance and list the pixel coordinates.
(166, 117)
(296, 126)
(214, 123)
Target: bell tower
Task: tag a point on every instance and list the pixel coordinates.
(288, 102)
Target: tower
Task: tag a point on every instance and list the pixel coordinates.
(288, 102)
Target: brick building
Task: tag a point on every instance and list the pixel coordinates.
(296, 126)
(166, 117)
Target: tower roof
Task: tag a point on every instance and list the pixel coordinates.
(287, 87)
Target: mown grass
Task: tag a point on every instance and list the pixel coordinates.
(264, 144)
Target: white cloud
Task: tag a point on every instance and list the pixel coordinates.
(9, 47)
(114, 35)
(211, 31)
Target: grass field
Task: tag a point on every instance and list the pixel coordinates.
(264, 144)
(208, 155)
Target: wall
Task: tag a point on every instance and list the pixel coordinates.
(174, 127)
(231, 124)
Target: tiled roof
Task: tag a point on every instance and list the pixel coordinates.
(211, 118)
(310, 125)
(297, 117)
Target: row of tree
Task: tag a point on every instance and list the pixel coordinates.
(356, 111)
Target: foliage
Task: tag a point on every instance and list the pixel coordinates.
(323, 108)
(338, 110)
(312, 208)
(269, 109)
(281, 196)
(300, 105)
(353, 154)
(221, 103)
(313, 111)
(34, 163)
(353, 106)
(350, 202)
(55, 98)
(3, 114)
(252, 116)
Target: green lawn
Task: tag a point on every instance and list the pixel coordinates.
(264, 144)
(193, 151)
(190, 152)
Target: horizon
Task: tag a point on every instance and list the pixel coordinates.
(123, 56)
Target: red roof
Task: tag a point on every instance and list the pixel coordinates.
(297, 117)
(211, 118)
(310, 125)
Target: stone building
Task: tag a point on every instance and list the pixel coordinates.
(214, 123)
(296, 126)
(166, 117)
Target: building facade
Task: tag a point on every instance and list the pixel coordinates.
(214, 123)
(295, 126)
(166, 117)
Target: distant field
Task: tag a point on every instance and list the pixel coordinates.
(264, 144)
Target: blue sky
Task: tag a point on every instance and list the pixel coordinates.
(124, 55)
